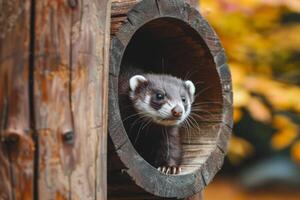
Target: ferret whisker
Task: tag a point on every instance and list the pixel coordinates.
(203, 119)
(188, 130)
(135, 121)
(201, 91)
(196, 125)
(204, 101)
(187, 76)
(196, 115)
(191, 124)
(146, 133)
(130, 116)
(200, 118)
(208, 102)
(140, 128)
(148, 122)
(185, 127)
(198, 110)
(127, 118)
(202, 111)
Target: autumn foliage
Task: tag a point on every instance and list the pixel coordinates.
(262, 42)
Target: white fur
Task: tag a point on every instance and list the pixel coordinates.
(187, 111)
(144, 107)
(190, 86)
(135, 80)
(161, 116)
(166, 110)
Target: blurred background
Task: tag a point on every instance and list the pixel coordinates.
(262, 42)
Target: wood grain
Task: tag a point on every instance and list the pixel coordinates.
(89, 63)
(121, 7)
(63, 46)
(70, 98)
(16, 145)
(53, 117)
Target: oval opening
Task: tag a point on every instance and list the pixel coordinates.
(170, 46)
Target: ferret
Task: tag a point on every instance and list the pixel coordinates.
(153, 107)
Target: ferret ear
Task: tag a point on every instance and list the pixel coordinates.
(135, 81)
(191, 87)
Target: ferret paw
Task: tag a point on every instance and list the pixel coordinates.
(169, 170)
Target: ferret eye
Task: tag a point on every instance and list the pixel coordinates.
(183, 99)
(160, 96)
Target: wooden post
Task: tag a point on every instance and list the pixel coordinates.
(53, 99)
(16, 145)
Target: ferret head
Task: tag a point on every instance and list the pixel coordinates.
(163, 98)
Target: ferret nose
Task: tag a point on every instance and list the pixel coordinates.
(177, 111)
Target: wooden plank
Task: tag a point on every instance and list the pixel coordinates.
(89, 63)
(71, 86)
(16, 145)
(101, 159)
(53, 118)
(71, 151)
(121, 7)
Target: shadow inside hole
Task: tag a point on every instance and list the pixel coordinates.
(170, 46)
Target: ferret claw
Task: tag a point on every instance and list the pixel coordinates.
(169, 170)
(174, 170)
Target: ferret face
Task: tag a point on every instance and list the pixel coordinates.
(164, 99)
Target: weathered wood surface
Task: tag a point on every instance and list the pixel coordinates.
(16, 145)
(53, 115)
(90, 36)
(121, 7)
(70, 98)
(63, 47)
(194, 3)
(199, 52)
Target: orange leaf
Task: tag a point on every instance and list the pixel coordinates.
(295, 152)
